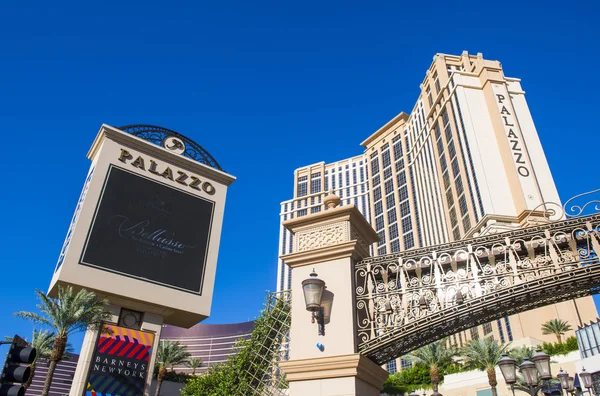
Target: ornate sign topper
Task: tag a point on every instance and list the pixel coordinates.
(174, 144)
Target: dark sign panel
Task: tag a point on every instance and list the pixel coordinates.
(120, 362)
(150, 231)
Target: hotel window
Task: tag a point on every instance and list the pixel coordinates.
(389, 186)
(401, 178)
(374, 164)
(456, 234)
(429, 97)
(302, 186)
(391, 366)
(377, 194)
(466, 223)
(405, 364)
(451, 148)
(404, 209)
(392, 216)
(395, 246)
(508, 329)
(463, 205)
(387, 173)
(394, 231)
(437, 82)
(440, 146)
(446, 179)
(376, 180)
(302, 212)
(445, 119)
(403, 193)
(459, 186)
(455, 168)
(397, 148)
(379, 223)
(385, 157)
(487, 329)
(382, 250)
(499, 323)
(474, 333)
(390, 201)
(443, 163)
(450, 198)
(409, 241)
(399, 165)
(381, 238)
(378, 208)
(315, 183)
(406, 224)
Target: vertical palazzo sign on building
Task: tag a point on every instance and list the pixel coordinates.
(516, 143)
(120, 363)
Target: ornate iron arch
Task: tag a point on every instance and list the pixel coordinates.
(157, 135)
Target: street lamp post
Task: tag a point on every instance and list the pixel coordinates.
(586, 378)
(567, 382)
(537, 374)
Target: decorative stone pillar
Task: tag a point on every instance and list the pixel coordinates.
(330, 243)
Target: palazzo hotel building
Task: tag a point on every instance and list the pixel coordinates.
(466, 161)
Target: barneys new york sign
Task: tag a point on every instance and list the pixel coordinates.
(512, 133)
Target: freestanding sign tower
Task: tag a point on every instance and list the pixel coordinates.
(145, 235)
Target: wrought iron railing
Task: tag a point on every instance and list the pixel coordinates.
(409, 299)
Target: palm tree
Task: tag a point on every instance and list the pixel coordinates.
(435, 357)
(522, 353)
(557, 327)
(169, 354)
(483, 354)
(194, 363)
(68, 314)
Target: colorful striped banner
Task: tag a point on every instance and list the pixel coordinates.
(120, 363)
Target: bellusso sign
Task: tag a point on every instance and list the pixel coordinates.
(509, 123)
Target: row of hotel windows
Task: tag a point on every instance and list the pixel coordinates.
(390, 198)
(358, 176)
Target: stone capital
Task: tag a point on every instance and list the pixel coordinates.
(353, 365)
(328, 235)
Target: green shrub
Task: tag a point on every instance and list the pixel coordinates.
(560, 348)
(246, 369)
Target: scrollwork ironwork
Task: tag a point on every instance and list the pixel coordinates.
(409, 299)
(157, 135)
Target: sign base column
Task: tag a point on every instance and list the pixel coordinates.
(118, 363)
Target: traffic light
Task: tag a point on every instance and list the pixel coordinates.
(16, 369)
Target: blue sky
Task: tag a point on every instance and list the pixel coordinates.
(265, 87)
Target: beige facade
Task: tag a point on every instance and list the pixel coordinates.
(466, 161)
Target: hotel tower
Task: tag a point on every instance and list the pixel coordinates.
(466, 161)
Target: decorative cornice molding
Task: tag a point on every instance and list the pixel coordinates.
(354, 365)
(353, 249)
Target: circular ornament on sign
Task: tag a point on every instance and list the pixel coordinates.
(174, 144)
(131, 320)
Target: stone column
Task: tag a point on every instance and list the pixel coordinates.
(330, 243)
